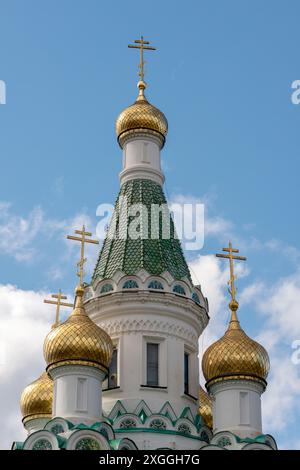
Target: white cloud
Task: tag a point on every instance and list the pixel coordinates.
(278, 307)
(25, 321)
(18, 234)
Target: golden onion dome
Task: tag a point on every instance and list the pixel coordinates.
(141, 117)
(205, 407)
(235, 355)
(78, 341)
(36, 399)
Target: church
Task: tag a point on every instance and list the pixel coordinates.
(122, 372)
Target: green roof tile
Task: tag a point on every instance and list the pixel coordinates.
(130, 255)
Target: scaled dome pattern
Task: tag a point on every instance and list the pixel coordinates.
(235, 356)
(78, 341)
(141, 117)
(36, 399)
(205, 408)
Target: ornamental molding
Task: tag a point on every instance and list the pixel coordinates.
(166, 328)
(71, 369)
(104, 309)
(252, 384)
(141, 172)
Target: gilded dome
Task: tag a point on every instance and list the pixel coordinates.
(78, 341)
(36, 399)
(205, 407)
(235, 356)
(141, 117)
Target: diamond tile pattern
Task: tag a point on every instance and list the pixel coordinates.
(37, 397)
(78, 339)
(129, 255)
(235, 354)
(205, 407)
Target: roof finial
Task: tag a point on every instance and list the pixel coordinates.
(59, 296)
(141, 45)
(82, 240)
(232, 290)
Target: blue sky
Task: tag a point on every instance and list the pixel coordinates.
(222, 75)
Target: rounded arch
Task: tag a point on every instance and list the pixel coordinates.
(155, 284)
(256, 446)
(127, 444)
(223, 439)
(158, 421)
(87, 439)
(127, 421)
(102, 287)
(41, 440)
(181, 288)
(57, 426)
(185, 426)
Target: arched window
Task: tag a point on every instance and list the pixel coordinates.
(195, 298)
(179, 289)
(128, 423)
(184, 428)
(106, 288)
(87, 444)
(156, 285)
(42, 444)
(224, 441)
(158, 424)
(130, 284)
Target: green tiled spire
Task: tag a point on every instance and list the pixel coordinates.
(129, 255)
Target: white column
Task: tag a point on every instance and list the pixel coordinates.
(141, 159)
(77, 393)
(36, 424)
(237, 407)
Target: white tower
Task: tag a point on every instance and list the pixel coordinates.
(141, 291)
(235, 368)
(77, 354)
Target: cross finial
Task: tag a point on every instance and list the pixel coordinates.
(59, 296)
(82, 239)
(231, 257)
(141, 45)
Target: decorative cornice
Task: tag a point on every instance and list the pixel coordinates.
(236, 381)
(166, 305)
(132, 325)
(75, 366)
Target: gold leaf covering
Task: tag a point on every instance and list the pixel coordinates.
(78, 341)
(141, 117)
(205, 407)
(36, 399)
(235, 356)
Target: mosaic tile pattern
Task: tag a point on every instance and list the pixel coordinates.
(143, 116)
(37, 397)
(78, 339)
(128, 255)
(235, 354)
(205, 407)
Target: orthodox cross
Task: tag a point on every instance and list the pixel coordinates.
(141, 45)
(59, 296)
(82, 239)
(231, 257)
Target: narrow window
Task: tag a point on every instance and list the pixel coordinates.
(152, 364)
(113, 370)
(186, 372)
(81, 394)
(244, 408)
